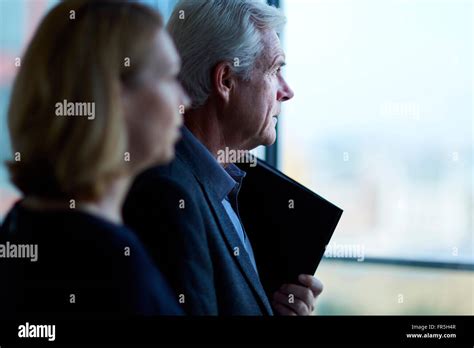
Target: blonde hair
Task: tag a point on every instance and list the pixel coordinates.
(79, 54)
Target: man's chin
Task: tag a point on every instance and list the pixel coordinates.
(266, 139)
(269, 139)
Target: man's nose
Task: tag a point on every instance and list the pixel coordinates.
(285, 92)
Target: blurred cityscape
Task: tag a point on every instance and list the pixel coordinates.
(382, 121)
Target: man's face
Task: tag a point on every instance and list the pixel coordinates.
(255, 104)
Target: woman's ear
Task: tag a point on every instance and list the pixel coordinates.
(127, 100)
(223, 80)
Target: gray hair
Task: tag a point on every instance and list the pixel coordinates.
(207, 32)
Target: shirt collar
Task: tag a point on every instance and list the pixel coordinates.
(224, 180)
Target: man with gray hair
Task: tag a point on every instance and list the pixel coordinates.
(186, 213)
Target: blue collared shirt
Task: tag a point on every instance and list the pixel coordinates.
(227, 183)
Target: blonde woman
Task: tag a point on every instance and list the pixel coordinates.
(95, 101)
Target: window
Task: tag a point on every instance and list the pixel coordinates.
(381, 121)
(382, 125)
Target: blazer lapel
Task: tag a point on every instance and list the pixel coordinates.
(233, 241)
(185, 150)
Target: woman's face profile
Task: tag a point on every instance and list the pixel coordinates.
(154, 106)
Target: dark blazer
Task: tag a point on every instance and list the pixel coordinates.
(179, 217)
(81, 255)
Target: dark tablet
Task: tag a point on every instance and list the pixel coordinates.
(288, 225)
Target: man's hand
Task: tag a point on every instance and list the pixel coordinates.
(294, 299)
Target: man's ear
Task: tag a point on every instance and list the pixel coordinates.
(223, 80)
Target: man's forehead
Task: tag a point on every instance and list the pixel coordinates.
(274, 57)
(272, 46)
(281, 54)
